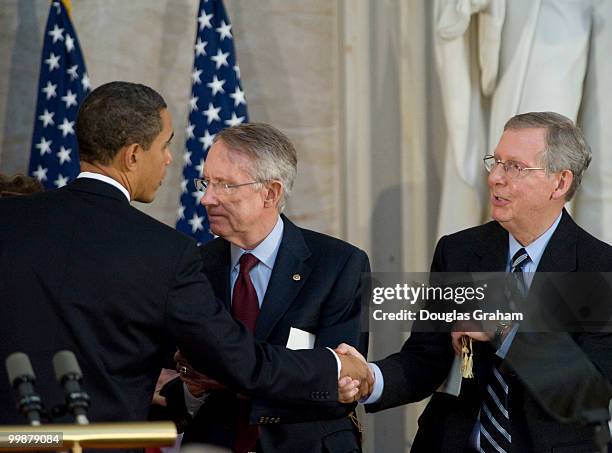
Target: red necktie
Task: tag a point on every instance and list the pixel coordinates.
(245, 307)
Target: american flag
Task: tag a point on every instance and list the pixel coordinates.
(62, 84)
(217, 101)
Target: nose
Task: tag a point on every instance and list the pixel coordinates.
(209, 199)
(497, 175)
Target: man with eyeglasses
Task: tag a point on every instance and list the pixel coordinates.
(83, 270)
(536, 168)
(299, 279)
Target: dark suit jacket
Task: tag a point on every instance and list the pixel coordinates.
(447, 422)
(325, 301)
(85, 271)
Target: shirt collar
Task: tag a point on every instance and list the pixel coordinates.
(535, 250)
(266, 251)
(106, 179)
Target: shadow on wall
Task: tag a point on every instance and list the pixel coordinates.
(22, 83)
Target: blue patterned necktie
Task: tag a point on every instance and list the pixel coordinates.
(495, 433)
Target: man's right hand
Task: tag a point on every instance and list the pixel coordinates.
(356, 379)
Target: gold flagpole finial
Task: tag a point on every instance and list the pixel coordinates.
(68, 6)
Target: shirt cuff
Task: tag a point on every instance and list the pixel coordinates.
(379, 385)
(338, 362)
(193, 403)
(505, 346)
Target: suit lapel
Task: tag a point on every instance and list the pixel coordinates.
(216, 264)
(284, 284)
(560, 253)
(490, 250)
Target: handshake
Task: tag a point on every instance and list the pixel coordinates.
(356, 378)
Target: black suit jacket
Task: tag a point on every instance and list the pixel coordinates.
(447, 421)
(85, 271)
(326, 301)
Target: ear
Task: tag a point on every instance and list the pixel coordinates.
(564, 182)
(130, 156)
(273, 191)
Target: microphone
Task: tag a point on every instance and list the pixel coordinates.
(22, 378)
(68, 374)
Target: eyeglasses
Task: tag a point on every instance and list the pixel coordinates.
(220, 188)
(511, 168)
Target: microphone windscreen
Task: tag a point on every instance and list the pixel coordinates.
(65, 362)
(18, 365)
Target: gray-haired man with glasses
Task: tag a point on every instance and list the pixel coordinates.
(536, 168)
(297, 283)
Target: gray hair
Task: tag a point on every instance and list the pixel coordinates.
(566, 147)
(117, 114)
(272, 153)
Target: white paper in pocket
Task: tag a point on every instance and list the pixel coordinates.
(300, 339)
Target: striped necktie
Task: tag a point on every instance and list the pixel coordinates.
(494, 414)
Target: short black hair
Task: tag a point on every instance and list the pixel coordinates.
(117, 114)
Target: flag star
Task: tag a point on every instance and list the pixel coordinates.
(85, 82)
(67, 127)
(212, 113)
(56, 33)
(184, 186)
(200, 167)
(70, 99)
(237, 70)
(196, 222)
(216, 85)
(189, 131)
(44, 146)
(224, 31)
(73, 72)
(187, 157)
(204, 20)
(234, 120)
(197, 195)
(195, 76)
(61, 181)
(40, 173)
(47, 118)
(64, 155)
(193, 103)
(200, 47)
(49, 90)
(220, 59)
(238, 97)
(69, 43)
(53, 61)
(207, 140)
(181, 212)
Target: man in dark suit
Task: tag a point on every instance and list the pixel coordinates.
(85, 271)
(536, 169)
(302, 280)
